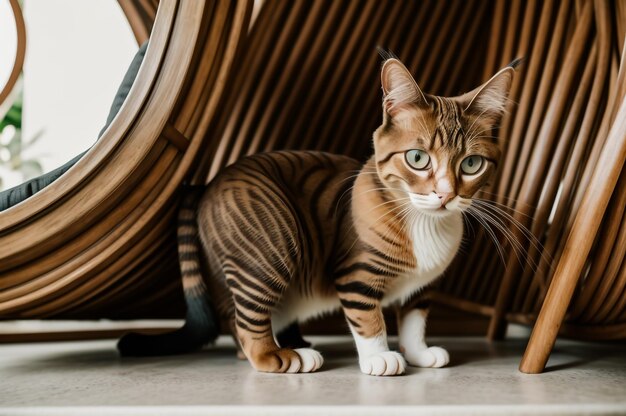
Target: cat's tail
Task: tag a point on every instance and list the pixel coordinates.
(200, 324)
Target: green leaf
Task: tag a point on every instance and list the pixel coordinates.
(13, 117)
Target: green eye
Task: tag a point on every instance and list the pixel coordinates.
(471, 164)
(417, 159)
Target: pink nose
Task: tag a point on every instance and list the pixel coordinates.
(445, 197)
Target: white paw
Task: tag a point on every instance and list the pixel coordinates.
(434, 357)
(311, 360)
(388, 363)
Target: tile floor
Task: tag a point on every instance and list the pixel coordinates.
(89, 378)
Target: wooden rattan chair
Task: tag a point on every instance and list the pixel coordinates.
(307, 78)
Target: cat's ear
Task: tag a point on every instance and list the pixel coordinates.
(399, 88)
(488, 102)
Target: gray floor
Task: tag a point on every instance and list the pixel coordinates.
(82, 377)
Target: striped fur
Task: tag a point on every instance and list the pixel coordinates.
(291, 235)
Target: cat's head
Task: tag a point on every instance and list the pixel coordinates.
(439, 150)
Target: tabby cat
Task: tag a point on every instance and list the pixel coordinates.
(290, 235)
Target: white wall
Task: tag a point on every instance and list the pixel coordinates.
(77, 54)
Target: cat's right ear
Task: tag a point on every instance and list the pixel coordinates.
(399, 88)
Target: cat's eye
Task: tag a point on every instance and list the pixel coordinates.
(471, 164)
(417, 159)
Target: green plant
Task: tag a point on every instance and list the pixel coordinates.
(12, 146)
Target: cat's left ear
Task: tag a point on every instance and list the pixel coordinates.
(488, 102)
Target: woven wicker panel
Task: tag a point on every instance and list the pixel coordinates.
(567, 99)
(309, 85)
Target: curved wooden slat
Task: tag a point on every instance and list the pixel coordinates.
(20, 52)
(124, 189)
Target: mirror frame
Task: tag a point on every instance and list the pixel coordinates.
(20, 53)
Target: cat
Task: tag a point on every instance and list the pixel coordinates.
(290, 235)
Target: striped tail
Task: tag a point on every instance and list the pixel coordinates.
(200, 324)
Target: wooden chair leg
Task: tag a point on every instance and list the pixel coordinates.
(577, 247)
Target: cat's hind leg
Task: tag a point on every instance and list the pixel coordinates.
(292, 337)
(254, 331)
(259, 250)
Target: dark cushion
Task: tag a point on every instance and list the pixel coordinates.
(19, 193)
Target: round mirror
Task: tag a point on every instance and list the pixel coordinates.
(78, 52)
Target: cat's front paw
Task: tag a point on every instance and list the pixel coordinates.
(285, 360)
(310, 359)
(387, 363)
(433, 357)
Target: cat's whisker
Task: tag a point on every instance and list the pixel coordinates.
(357, 173)
(534, 241)
(468, 223)
(518, 249)
(513, 220)
(508, 216)
(489, 232)
(359, 194)
(392, 214)
(401, 208)
(351, 187)
(403, 224)
(353, 177)
(342, 196)
(487, 224)
(388, 202)
(466, 239)
(381, 189)
(506, 198)
(504, 207)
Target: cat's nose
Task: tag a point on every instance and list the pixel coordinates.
(444, 197)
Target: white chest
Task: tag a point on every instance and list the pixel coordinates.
(435, 243)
